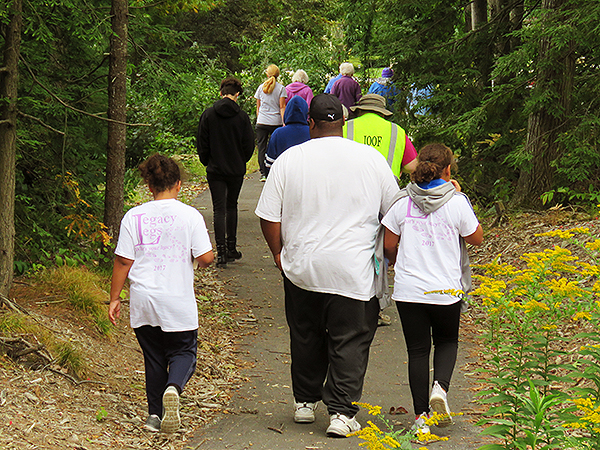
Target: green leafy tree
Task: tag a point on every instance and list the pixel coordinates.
(512, 88)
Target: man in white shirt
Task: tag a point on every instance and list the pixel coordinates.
(319, 213)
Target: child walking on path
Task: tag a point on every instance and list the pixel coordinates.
(158, 244)
(423, 237)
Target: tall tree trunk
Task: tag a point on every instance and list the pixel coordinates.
(9, 82)
(516, 22)
(554, 80)
(500, 14)
(478, 13)
(483, 57)
(117, 110)
(468, 18)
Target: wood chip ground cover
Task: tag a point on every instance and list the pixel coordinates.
(49, 408)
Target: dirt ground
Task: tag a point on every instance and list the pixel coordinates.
(50, 409)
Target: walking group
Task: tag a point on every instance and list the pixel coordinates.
(334, 219)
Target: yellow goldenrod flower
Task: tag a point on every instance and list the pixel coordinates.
(582, 315)
(595, 245)
(534, 304)
(557, 233)
(454, 292)
(373, 410)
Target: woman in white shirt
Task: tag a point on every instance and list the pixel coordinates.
(159, 242)
(270, 107)
(423, 237)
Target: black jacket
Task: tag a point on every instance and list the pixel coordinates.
(225, 139)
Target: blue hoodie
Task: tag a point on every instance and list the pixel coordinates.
(295, 131)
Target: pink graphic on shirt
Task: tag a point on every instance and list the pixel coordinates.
(429, 231)
(150, 228)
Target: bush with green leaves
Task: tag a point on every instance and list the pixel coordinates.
(538, 387)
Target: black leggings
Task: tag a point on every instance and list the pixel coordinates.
(225, 192)
(263, 133)
(421, 322)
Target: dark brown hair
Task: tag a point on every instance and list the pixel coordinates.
(231, 86)
(160, 173)
(433, 159)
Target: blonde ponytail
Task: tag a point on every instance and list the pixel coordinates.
(272, 72)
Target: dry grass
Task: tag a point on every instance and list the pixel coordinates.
(83, 290)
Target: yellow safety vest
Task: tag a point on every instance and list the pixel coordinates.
(387, 137)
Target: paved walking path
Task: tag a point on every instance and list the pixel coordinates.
(264, 406)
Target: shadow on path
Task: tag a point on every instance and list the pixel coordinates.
(261, 410)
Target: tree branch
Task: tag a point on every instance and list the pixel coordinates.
(12, 305)
(41, 123)
(80, 111)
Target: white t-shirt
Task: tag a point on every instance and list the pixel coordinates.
(429, 251)
(161, 236)
(269, 112)
(327, 193)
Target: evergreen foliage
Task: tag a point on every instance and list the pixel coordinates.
(474, 86)
(486, 83)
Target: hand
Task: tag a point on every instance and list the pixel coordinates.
(277, 259)
(114, 310)
(456, 185)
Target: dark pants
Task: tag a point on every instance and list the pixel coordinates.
(421, 322)
(169, 360)
(263, 133)
(225, 192)
(330, 338)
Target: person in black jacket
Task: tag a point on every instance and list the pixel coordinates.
(225, 143)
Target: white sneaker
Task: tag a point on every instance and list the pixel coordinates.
(341, 426)
(171, 421)
(305, 412)
(438, 402)
(420, 425)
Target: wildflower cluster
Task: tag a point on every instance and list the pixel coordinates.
(528, 312)
(376, 438)
(590, 417)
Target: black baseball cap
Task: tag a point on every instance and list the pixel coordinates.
(326, 107)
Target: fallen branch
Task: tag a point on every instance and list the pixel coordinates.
(28, 350)
(12, 305)
(79, 383)
(67, 376)
(277, 430)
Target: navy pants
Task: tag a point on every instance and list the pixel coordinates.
(225, 192)
(330, 336)
(169, 360)
(420, 323)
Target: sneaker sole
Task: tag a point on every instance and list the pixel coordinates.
(171, 420)
(439, 406)
(304, 419)
(336, 433)
(151, 428)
